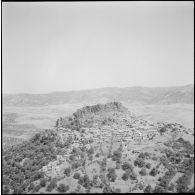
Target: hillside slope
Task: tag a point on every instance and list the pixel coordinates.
(102, 149)
(140, 95)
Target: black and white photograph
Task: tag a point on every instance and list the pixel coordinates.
(97, 97)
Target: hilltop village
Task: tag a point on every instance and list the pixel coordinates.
(105, 148)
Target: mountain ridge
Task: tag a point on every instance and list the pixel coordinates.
(143, 95)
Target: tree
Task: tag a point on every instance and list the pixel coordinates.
(31, 186)
(148, 189)
(133, 176)
(111, 175)
(127, 165)
(76, 176)
(90, 151)
(153, 172)
(51, 186)
(43, 182)
(139, 162)
(159, 189)
(148, 165)
(143, 172)
(6, 190)
(107, 189)
(162, 130)
(97, 155)
(37, 188)
(67, 172)
(117, 155)
(63, 188)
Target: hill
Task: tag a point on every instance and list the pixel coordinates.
(139, 95)
(102, 148)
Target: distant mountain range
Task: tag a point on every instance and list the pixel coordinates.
(131, 95)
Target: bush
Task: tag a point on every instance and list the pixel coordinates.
(117, 155)
(37, 188)
(90, 151)
(126, 175)
(148, 189)
(31, 186)
(118, 165)
(127, 165)
(159, 189)
(171, 187)
(6, 190)
(148, 165)
(62, 188)
(139, 162)
(43, 182)
(111, 175)
(141, 155)
(133, 176)
(51, 186)
(140, 186)
(117, 190)
(97, 155)
(162, 130)
(107, 189)
(143, 172)
(76, 176)
(67, 172)
(153, 172)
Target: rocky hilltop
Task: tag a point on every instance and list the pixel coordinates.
(103, 149)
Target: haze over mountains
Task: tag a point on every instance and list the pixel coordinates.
(132, 95)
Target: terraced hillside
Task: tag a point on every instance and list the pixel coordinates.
(103, 149)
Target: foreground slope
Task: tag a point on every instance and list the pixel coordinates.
(102, 148)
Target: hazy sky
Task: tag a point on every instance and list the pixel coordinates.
(80, 45)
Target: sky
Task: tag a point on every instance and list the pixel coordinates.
(62, 46)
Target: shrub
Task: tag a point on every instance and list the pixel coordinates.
(107, 189)
(63, 188)
(117, 155)
(127, 165)
(118, 165)
(171, 187)
(6, 190)
(159, 189)
(67, 172)
(97, 155)
(148, 165)
(153, 172)
(127, 174)
(143, 172)
(141, 155)
(31, 186)
(43, 182)
(51, 186)
(139, 162)
(140, 186)
(37, 188)
(76, 176)
(133, 176)
(90, 151)
(111, 175)
(148, 189)
(162, 130)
